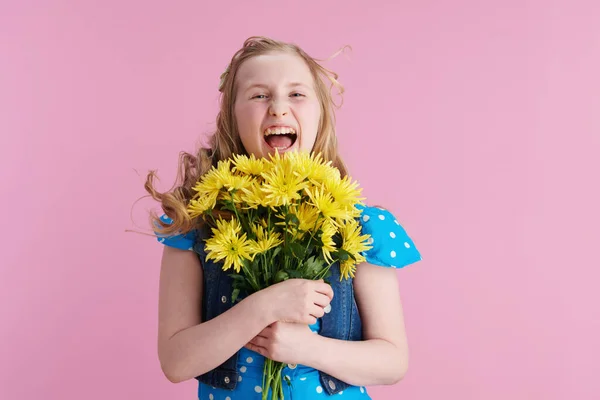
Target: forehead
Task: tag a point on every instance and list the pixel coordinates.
(274, 69)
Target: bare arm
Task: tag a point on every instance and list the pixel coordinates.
(382, 357)
(188, 347)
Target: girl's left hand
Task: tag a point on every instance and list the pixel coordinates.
(286, 342)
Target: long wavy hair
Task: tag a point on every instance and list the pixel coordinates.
(226, 139)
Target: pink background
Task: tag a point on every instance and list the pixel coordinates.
(476, 122)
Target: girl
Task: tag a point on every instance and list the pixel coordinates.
(335, 338)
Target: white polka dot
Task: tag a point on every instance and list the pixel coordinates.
(327, 309)
(362, 389)
(287, 377)
(392, 235)
(396, 222)
(239, 378)
(381, 217)
(393, 254)
(393, 266)
(319, 389)
(303, 378)
(227, 398)
(243, 369)
(249, 360)
(211, 397)
(407, 245)
(370, 240)
(366, 218)
(257, 389)
(161, 240)
(342, 392)
(191, 249)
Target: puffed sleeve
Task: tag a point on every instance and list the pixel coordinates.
(391, 245)
(181, 241)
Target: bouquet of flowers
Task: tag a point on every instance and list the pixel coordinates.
(290, 216)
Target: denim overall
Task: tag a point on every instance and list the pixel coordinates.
(342, 322)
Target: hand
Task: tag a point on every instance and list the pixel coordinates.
(297, 300)
(286, 342)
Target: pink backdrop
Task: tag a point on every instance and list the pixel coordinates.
(476, 122)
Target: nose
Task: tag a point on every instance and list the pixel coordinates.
(278, 109)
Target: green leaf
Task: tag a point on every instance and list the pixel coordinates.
(344, 255)
(295, 274)
(235, 294)
(275, 252)
(281, 276)
(297, 250)
(312, 266)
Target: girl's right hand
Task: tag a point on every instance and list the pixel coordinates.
(297, 300)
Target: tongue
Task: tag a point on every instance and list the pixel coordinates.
(280, 141)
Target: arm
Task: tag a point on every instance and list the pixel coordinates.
(382, 357)
(186, 347)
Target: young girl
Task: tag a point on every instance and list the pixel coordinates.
(335, 339)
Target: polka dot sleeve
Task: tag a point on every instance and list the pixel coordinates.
(391, 245)
(182, 242)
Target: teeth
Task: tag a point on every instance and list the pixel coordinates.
(279, 131)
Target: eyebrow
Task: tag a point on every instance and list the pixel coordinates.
(263, 86)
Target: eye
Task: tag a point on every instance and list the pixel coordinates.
(260, 96)
(296, 94)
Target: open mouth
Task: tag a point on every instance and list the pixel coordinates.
(280, 138)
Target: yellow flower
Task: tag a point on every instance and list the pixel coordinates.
(214, 180)
(253, 196)
(324, 202)
(281, 186)
(328, 230)
(228, 245)
(344, 191)
(249, 165)
(235, 186)
(311, 167)
(354, 243)
(307, 215)
(204, 203)
(264, 240)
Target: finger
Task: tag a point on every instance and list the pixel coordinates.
(325, 289)
(260, 350)
(259, 341)
(317, 312)
(321, 300)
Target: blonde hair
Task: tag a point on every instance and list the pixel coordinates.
(226, 141)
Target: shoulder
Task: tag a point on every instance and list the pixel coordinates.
(179, 241)
(391, 245)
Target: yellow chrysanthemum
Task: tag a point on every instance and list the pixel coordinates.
(228, 245)
(311, 167)
(253, 196)
(235, 186)
(249, 165)
(281, 185)
(214, 180)
(202, 204)
(308, 216)
(344, 191)
(354, 243)
(328, 230)
(265, 240)
(325, 203)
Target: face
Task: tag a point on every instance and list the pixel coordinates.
(276, 105)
